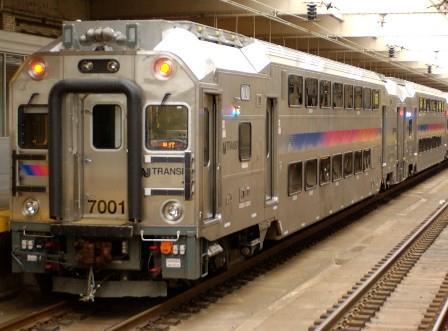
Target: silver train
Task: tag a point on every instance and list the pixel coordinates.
(151, 153)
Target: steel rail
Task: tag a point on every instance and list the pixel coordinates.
(32, 318)
(333, 318)
(442, 319)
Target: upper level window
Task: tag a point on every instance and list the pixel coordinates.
(166, 127)
(376, 99)
(338, 95)
(348, 96)
(311, 87)
(421, 104)
(245, 141)
(33, 127)
(295, 90)
(325, 94)
(367, 98)
(358, 97)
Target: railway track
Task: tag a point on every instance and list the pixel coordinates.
(37, 318)
(396, 281)
(181, 306)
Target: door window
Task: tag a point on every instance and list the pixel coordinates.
(106, 126)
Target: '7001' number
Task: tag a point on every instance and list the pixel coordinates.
(103, 207)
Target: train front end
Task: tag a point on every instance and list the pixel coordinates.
(103, 163)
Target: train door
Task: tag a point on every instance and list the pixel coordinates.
(104, 156)
(270, 148)
(210, 162)
(401, 137)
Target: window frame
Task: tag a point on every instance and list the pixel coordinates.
(300, 190)
(122, 114)
(346, 96)
(316, 105)
(347, 175)
(189, 139)
(332, 167)
(303, 92)
(20, 112)
(364, 151)
(354, 97)
(326, 157)
(376, 106)
(354, 162)
(239, 142)
(321, 82)
(306, 188)
(332, 95)
(367, 98)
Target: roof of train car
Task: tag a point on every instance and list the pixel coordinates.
(205, 49)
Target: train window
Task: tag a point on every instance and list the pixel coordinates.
(439, 105)
(311, 92)
(366, 159)
(433, 105)
(410, 125)
(358, 97)
(106, 126)
(421, 104)
(358, 162)
(324, 170)
(295, 90)
(206, 137)
(166, 127)
(348, 164)
(375, 99)
(348, 96)
(33, 127)
(310, 174)
(428, 104)
(245, 141)
(338, 95)
(325, 94)
(294, 178)
(367, 98)
(336, 167)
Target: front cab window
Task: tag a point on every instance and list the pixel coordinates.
(166, 127)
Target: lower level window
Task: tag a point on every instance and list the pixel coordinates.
(336, 167)
(294, 178)
(358, 162)
(366, 159)
(324, 170)
(310, 174)
(348, 164)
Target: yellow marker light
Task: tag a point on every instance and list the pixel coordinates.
(163, 68)
(37, 69)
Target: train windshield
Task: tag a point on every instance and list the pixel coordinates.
(33, 127)
(166, 127)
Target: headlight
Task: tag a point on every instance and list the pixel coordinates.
(172, 211)
(30, 207)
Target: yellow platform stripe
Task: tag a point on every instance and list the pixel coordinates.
(4, 220)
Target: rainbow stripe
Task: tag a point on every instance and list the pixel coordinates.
(431, 127)
(310, 140)
(34, 170)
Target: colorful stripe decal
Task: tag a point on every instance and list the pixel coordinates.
(310, 140)
(431, 127)
(34, 170)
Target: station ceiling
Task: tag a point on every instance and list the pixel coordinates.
(399, 38)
